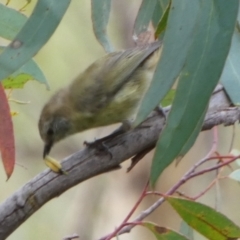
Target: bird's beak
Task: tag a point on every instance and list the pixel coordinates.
(47, 149)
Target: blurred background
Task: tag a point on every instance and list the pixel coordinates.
(96, 207)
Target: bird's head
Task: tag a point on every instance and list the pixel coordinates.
(53, 127)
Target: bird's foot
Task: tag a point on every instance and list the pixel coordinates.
(99, 145)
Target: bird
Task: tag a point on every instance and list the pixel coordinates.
(109, 91)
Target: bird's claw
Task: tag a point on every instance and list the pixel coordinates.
(99, 145)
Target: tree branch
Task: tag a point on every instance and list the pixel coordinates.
(89, 162)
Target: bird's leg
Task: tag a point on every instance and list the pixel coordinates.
(99, 143)
(126, 125)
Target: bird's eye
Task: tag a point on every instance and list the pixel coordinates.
(50, 132)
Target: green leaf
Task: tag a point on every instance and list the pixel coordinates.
(168, 100)
(231, 73)
(238, 17)
(207, 221)
(100, 16)
(34, 34)
(163, 21)
(174, 51)
(159, 11)
(200, 74)
(29, 71)
(192, 138)
(235, 175)
(11, 22)
(144, 17)
(163, 233)
(157, 14)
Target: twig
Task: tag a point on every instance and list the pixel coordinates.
(189, 175)
(201, 193)
(128, 216)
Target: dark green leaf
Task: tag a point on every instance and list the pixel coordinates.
(100, 16)
(207, 221)
(200, 74)
(157, 14)
(158, 11)
(34, 34)
(163, 21)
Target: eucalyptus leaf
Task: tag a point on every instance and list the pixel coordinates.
(33, 35)
(206, 54)
(11, 22)
(100, 16)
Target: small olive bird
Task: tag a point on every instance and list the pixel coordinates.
(109, 91)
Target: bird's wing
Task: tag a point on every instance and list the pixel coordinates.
(96, 87)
